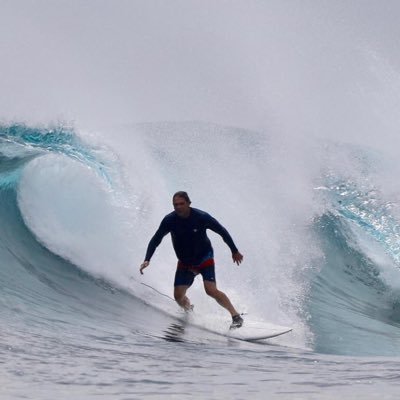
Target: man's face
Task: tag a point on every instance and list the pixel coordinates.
(181, 206)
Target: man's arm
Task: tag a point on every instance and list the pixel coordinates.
(216, 227)
(153, 244)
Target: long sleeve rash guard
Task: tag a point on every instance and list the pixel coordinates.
(189, 236)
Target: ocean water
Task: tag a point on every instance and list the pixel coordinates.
(78, 319)
(279, 118)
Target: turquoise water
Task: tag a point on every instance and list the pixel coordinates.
(71, 328)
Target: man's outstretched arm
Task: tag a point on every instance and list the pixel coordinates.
(153, 244)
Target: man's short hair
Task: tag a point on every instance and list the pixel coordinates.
(182, 194)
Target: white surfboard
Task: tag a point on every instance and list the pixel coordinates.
(251, 330)
(257, 330)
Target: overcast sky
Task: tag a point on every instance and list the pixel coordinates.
(294, 64)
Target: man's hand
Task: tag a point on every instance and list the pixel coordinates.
(237, 257)
(144, 265)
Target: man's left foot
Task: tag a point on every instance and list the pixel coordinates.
(189, 309)
(237, 321)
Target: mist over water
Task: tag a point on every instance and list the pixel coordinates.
(292, 68)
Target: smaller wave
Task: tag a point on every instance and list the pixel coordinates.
(353, 300)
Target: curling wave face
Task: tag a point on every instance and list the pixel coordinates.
(65, 244)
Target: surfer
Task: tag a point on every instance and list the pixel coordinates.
(193, 248)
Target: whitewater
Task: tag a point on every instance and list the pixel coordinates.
(278, 118)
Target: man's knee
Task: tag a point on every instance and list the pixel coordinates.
(211, 290)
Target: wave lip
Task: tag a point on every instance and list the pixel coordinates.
(20, 143)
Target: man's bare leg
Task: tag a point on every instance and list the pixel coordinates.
(181, 298)
(221, 298)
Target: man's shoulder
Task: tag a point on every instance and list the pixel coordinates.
(200, 214)
(170, 217)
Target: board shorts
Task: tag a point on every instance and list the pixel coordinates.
(185, 274)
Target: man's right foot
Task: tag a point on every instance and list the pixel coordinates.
(237, 321)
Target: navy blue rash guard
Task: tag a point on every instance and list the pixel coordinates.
(189, 236)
